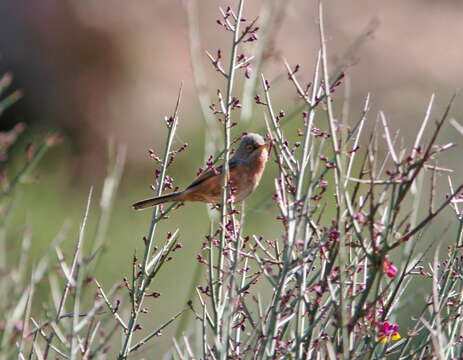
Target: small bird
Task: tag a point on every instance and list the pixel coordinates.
(246, 168)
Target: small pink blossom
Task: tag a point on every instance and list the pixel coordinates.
(388, 331)
(389, 268)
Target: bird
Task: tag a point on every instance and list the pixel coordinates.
(245, 169)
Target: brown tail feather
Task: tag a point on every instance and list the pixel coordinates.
(143, 204)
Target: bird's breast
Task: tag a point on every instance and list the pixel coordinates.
(248, 175)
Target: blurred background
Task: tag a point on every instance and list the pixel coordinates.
(93, 70)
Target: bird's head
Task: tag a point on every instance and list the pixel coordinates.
(251, 148)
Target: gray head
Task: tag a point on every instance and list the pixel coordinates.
(248, 146)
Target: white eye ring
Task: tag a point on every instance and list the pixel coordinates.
(250, 147)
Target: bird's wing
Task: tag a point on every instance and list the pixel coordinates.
(210, 173)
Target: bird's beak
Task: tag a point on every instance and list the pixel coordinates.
(265, 146)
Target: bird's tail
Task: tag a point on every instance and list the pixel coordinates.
(143, 204)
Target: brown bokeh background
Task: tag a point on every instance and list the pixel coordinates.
(93, 69)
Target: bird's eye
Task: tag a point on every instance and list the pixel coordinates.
(250, 147)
